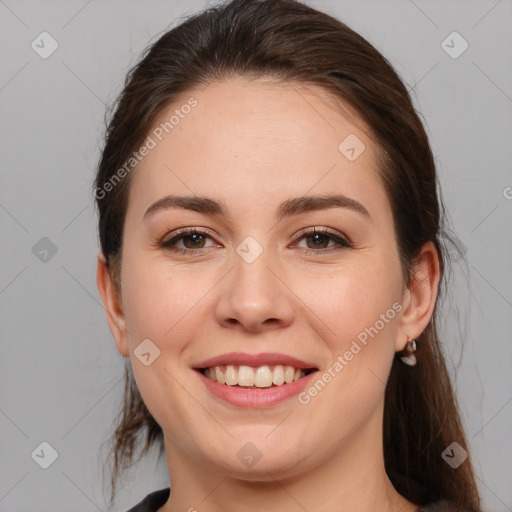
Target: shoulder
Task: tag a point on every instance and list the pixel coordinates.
(440, 506)
(152, 502)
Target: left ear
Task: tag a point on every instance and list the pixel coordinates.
(420, 296)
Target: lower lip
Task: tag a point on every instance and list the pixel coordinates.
(255, 398)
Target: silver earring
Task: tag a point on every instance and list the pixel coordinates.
(407, 354)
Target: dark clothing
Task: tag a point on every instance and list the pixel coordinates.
(152, 502)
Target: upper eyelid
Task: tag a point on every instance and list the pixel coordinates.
(186, 231)
(319, 231)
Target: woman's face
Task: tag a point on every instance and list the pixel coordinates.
(255, 286)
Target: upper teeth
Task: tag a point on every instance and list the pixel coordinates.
(261, 377)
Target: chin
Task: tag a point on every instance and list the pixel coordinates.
(258, 460)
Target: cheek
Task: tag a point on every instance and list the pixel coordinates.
(160, 302)
(359, 314)
(349, 302)
(164, 305)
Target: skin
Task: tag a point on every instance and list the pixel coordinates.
(253, 145)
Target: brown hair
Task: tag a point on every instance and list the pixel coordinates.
(287, 40)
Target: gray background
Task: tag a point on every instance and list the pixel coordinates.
(61, 375)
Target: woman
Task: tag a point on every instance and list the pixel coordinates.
(271, 260)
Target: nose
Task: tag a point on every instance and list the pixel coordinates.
(254, 298)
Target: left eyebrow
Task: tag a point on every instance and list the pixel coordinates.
(311, 203)
(288, 208)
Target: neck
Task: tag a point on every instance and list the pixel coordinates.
(351, 478)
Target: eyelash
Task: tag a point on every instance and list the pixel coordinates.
(183, 233)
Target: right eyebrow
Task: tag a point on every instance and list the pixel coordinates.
(195, 203)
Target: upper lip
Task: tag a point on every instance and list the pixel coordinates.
(255, 360)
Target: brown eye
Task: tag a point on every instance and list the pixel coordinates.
(186, 241)
(318, 242)
(196, 240)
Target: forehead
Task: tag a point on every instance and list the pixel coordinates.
(257, 140)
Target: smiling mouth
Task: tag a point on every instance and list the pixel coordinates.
(250, 377)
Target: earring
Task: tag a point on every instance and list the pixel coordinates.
(407, 354)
